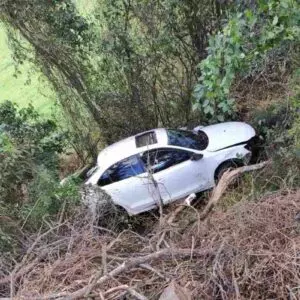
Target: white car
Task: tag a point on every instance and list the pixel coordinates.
(169, 164)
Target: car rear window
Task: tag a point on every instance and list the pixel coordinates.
(188, 139)
(145, 139)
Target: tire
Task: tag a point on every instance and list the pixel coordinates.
(231, 164)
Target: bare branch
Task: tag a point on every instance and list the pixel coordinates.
(227, 178)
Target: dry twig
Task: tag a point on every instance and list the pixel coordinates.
(126, 266)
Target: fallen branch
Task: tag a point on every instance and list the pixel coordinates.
(22, 272)
(227, 178)
(125, 267)
(227, 238)
(18, 267)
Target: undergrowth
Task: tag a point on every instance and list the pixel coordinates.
(248, 252)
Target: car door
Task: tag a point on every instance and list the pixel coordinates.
(129, 186)
(176, 173)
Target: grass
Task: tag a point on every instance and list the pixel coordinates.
(27, 87)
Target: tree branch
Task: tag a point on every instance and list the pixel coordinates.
(125, 267)
(227, 178)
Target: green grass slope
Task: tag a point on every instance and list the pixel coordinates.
(27, 87)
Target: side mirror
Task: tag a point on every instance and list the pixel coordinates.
(196, 156)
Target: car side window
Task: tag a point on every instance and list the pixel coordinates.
(161, 159)
(124, 169)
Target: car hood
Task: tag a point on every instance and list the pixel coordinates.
(227, 134)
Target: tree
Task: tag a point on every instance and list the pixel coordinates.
(58, 38)
(124, 71)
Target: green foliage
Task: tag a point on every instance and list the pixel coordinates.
(26, 142)
(66, 23)
(274, 120)
(46, 199)
(10, 239)
(225, 56)
(29, 184)
(245, 38)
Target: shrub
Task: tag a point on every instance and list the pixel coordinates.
(47, 198)
(29, 183)
(279, 127)
(246, 39)
(26, 141)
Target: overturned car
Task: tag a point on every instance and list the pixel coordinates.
(164, 165)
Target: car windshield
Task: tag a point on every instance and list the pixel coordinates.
(187, 139)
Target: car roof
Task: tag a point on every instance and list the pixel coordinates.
(127, 147)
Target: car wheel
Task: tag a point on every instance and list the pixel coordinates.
(225, 167)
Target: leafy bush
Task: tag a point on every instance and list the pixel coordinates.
(26, 142)
(29, 183)
(246, 38)
(47, 197)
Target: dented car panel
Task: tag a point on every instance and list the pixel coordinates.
(168, 164)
